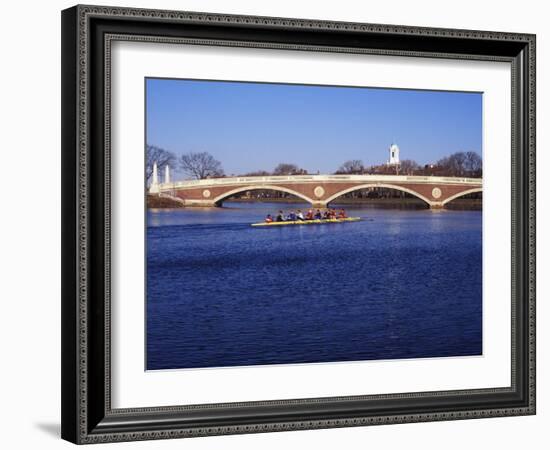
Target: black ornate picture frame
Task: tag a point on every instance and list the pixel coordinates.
(87, 414)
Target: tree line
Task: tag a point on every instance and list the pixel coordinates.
(201, 165)
(459, 164)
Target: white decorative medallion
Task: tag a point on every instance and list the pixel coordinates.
(206, 193)
(319, 192)
(436, 192)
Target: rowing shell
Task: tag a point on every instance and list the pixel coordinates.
(306, 222)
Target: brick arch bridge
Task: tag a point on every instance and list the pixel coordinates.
(318, 190)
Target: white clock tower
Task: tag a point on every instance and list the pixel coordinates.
(394, 155)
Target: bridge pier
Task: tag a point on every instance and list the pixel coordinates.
(437, 205)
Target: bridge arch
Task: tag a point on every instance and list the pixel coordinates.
(222, 197)
(461, 194)
(377, 185)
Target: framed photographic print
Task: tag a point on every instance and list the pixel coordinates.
(279, 224)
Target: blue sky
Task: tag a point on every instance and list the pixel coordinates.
(255, 126)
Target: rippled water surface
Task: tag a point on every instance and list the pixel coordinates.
(398, 284)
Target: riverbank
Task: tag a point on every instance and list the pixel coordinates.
(156, 202)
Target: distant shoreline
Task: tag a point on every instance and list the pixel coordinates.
(154, 202)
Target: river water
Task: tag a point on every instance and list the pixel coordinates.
(402, 283)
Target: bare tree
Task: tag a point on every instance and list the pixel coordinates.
(200, 165)
(461, 164)
(453, 165)
(458, 161)
(353, 166)
(161, 157)
(473, 164)
(288, 169)
(443, 166)
(409, 167)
